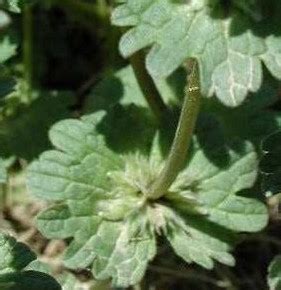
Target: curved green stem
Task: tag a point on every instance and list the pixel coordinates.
(148, 86)
(183, 136)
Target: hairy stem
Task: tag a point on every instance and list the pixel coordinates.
(183, 136)
(147, 86)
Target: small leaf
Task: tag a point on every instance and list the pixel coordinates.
(4, 19)
(7, 49)
(274, 274)
(14, 258)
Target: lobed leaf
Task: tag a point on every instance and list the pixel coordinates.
(104, 201)
(15, 257)
(177, 32)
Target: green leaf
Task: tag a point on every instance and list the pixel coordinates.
(14, 258)
(213, 182)
(177, 32)
(274, 274)
(253, 120)
(127, 113)
(195, 245)
(14, 6)
(270, 164)
(122, 88)
(217, 188)
(126, 259)
(4, 19)
(28, 122)
(79, 142)
(28, 280)
(8, 48)
(80, 175)
(104, 201)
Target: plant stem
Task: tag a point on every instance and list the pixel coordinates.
(183, 136)
(27, 48)
(147, 86)
(4, 196)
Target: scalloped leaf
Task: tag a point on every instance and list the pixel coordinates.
(14, 258)
(217, 187)
(230, 50)
(103, 201)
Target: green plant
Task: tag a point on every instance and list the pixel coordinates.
(15, 257)
(154, 161)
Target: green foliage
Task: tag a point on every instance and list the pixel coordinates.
(13, 276)
(230, 47)
(254, 119)
(7, 49)
(14, 6)
(274, 274)
(97, 182)
(45, 110)
(104, 204)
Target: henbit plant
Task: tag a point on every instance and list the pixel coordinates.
(15, 257)
(114, 207)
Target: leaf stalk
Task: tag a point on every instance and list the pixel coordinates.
(183, 136)
(148, 86)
